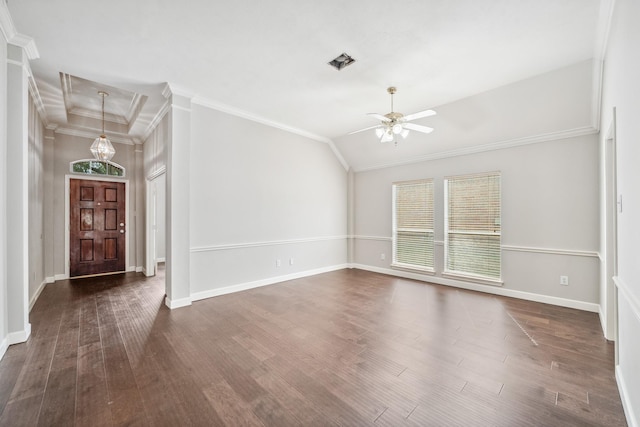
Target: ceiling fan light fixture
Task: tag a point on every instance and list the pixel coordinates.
(387, 137)
(101, 147)
(397, 128)
(379, 132)
(404, 133)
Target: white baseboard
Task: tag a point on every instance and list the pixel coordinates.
(61, 277)
(35, 296)
(50, 280)
(20, 336)
(160, 260)
(139, 269)
(182, 302)
(629, 412)
(4, 345)
(264, 282)
(562, 302)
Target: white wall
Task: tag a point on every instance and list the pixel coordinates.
(4, 328)
(621, 89)
(258, 195)
(161, 222)
(36, 204)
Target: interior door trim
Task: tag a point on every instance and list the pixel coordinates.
(67, 217)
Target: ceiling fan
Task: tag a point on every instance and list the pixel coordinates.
(392, 124)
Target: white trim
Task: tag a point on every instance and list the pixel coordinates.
(161, 260)
(19, 336)
(92, 135)
(265, 243)
(625, 291)
(67, 215)
(603, 29)
(552, 136)
(61, 277)
(548, 251)
(50, 279)
(36, 295)
(627, 405)
(12, 36)
(156, 120)
(562, 302)
(378, 238)
(153, 175)
(264, 282)
(338, 155)
(634, 304)
(511, 248)
(214, 105)
(173, 304)
(4, 345)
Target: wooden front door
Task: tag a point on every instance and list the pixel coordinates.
(97, 227)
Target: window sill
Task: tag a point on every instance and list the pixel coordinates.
(474, 279)
(413, 269)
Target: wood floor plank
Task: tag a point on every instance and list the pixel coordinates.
(347, 347)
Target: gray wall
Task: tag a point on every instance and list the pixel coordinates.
(4, 312)
(258, 195)
(541, 134)
(621, 90)
(36, 204)
(549, 215)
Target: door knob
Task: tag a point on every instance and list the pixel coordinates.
(122, 231)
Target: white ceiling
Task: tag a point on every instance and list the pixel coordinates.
(269, 58)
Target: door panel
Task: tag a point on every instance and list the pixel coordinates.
(97, 227)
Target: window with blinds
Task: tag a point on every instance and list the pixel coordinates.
(472, 226)
(413, 225)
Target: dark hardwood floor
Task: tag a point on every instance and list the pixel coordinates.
(343, 348)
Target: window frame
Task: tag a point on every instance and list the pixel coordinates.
(469, 275)
(430, 232)
(107, 163)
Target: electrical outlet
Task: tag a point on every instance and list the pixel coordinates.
(278, 263)
(290, 261)
(564, 280)
(383, 257)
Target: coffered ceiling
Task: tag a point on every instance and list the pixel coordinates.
(269, 59)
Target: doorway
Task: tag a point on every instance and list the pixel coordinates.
(156, 222)
(96, 239)
(611, 214)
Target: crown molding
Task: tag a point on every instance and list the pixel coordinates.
(92, 135)
(199, 100)
(605, 17)
(156, 120)
(8, 29)
(517, 142)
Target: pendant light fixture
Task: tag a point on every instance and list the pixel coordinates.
(101, 147)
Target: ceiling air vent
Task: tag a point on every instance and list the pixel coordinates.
(341, 61)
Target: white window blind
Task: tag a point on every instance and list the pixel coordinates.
(472, 225)
(413, 224)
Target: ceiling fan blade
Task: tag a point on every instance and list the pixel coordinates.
(379, 116)
(419, 128)
(419, 115)
(362, 130)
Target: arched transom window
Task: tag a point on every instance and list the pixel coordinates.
(97, 167)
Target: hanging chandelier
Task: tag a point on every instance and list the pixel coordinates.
(101, 147)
